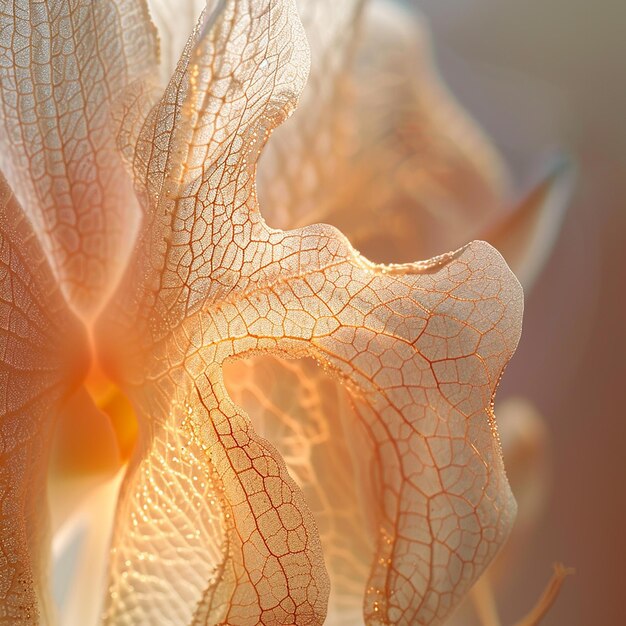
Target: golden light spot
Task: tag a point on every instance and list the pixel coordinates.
(112, 401)
(97, 428)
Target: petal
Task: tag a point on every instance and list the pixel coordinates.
(198, 148)
(421, 347)
(525, 446)
(307, 169)
(429, 176)
(176, 20)
(309, 417)
(168, 540)
(276, 568)
(63, 66)
(422, 352)
(385, 135)
(43, 358)
(526, 235)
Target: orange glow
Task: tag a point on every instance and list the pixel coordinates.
(112, 401)
(97, 428)
(362, 482)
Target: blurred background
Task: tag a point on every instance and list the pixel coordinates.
(540, 76)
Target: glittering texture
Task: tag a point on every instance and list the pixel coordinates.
(420, 348)
(41, 347)
(374, 488)
(62, 64)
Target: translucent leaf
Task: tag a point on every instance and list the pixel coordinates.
(420, 348)
(62, 66)
(43, 358)
(379, 147)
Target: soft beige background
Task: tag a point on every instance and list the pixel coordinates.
(541, 75)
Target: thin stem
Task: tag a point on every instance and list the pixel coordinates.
(549, 595)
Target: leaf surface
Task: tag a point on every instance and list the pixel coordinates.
(420, 348)
(43, 359)
(63, 64)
